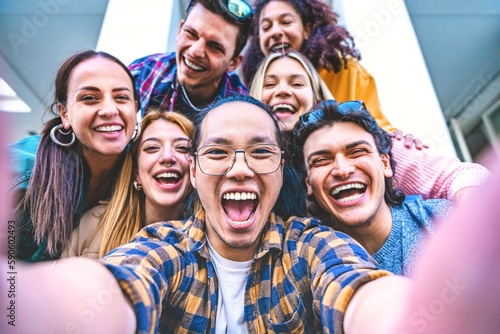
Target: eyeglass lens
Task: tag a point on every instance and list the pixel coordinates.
(239, 8)
(218, 160)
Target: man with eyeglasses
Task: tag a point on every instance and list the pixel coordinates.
(237, 267)
(346, 160)
(208, 46)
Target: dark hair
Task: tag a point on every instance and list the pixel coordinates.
(290, 201)
(244, 29)
(233, 98)
(331, 115)
(53, 195)
(329, 45)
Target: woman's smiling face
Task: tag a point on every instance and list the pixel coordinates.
(281, 28)
(162, 165)
(287, 89)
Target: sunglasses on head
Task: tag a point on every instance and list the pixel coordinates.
(238, 9)
(318, 114)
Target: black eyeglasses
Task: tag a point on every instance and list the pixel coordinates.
(316, 115)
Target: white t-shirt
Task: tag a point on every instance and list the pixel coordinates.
(232, 278)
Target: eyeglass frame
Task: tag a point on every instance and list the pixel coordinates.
(341, 107)
(197, 156)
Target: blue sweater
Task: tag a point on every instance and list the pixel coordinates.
(411, 222)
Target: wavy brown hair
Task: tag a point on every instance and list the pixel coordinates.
(328, 114)
(329, 45)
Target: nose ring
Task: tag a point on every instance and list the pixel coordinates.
(167, 164)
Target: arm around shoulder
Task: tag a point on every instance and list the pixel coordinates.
(433, 175)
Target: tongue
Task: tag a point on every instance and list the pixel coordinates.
(348, 193)
(239, 211)
(168, 180)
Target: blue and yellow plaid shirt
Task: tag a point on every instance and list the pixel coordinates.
(155, 81)
(301, 279)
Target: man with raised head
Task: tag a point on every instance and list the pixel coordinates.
(200, 71)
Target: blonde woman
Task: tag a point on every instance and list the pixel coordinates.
(153, 185)
(294, 82)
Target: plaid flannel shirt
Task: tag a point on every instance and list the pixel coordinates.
(301, 278)
(157, 87)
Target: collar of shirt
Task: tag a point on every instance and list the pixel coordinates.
(272, 239)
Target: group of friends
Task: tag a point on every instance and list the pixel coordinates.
(272, 203)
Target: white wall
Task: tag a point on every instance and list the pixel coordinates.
(384, 34)
(132, 29)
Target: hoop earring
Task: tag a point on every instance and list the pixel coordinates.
(137, 186)
(57, 141)
(137, 132)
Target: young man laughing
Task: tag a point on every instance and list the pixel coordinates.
(346, 160)
(200, 71)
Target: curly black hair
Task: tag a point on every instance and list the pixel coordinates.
(329, 45)
(328, 114)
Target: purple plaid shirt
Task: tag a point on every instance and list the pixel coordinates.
(155, 82)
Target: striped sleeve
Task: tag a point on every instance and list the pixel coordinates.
(433, 175)
(140, 268)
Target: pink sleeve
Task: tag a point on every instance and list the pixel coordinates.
(432, 175)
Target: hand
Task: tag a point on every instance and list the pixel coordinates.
(409, 140)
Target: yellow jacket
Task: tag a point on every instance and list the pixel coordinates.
(356, 83)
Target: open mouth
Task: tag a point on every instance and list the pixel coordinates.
(283, 108)
(281, 47)
(109, 128)
(193, 66)
(348, 192)
(239, 206)
(167, 178)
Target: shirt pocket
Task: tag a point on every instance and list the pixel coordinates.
(289, 313)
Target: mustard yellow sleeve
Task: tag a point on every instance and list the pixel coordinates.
(356, 83)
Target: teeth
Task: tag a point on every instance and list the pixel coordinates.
(240, 223)
(240, 196)
(193, 66)
(167, 175)
(280, 47)
(283, 106)
(109, 128)
(338, 189)
(350, 198)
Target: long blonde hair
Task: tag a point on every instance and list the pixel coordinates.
(124, 215)
(320, 89)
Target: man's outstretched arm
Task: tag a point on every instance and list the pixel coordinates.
(455, 288)
(76, 295)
